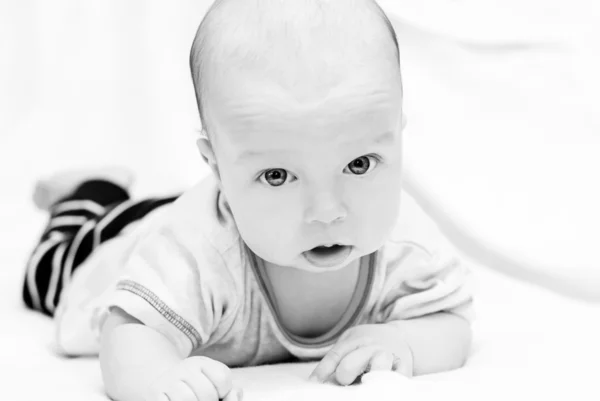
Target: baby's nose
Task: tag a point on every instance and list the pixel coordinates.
(326, 208)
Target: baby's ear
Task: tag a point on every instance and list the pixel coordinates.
(207, 152)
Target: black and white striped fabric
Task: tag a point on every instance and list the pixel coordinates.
(95, 212)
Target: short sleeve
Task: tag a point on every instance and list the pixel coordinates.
(424, 273)
(175, 282)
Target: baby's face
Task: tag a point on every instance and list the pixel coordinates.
(301, 171)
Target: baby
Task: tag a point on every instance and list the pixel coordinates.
(294, 248)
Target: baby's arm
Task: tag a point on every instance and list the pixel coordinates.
(140, 364)
(438, 342)
(132, 356)
(171, 297)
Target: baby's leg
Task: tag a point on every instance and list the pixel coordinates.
(50, 190)
(84, 213)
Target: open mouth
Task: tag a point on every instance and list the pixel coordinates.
(328, 256)
(324, 250)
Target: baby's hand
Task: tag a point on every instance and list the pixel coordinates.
(195, 379)
(362, 349)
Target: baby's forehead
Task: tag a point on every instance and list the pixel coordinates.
(260, 119)
(345, 89)
(256, 103)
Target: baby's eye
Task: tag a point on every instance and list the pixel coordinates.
(362, 165)
(275, 177)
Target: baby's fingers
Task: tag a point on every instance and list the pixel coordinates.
(202, 387)
(332, 359)
(178, 391)
(357, 362)
(236, 394)
(218, 373)
(382, 360)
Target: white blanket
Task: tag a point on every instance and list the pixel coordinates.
(501, 147)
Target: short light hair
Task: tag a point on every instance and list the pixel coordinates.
(222, 15)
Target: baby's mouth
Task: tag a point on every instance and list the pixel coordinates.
(324, 250)
(328, 256)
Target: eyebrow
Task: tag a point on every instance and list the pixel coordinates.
(386, 137)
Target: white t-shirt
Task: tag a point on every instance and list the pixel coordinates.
(186, 272)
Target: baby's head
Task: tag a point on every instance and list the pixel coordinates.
(301, 103)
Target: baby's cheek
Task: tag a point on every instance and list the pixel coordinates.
(385, 216)
(264, 233)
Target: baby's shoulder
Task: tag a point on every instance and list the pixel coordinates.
(414, 224)
(416, 238)
(201, 216)
(198, 229)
